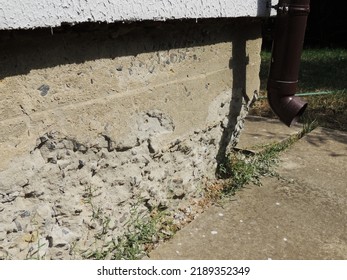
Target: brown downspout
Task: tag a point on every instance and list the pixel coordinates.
(285, 61)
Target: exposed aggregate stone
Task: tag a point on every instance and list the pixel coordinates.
(55, 203)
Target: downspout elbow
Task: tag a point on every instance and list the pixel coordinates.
(285, 60)
(284, 103)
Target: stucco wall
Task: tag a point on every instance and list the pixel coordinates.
(52, 13)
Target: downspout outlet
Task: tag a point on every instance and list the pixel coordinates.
(284, 103)
(285, 60)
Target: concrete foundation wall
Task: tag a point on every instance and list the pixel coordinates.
(111, 116)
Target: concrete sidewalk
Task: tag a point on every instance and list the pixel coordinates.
(303, 216)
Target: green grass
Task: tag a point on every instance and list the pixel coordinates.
(141, 235)
(243, 167)
(321, 70)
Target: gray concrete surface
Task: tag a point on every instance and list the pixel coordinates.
(302, 216)
(259, 131)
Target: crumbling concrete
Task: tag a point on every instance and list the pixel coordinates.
(95, 120)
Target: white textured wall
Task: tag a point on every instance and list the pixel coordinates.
(50, 13)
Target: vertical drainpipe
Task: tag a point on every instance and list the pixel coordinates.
(288, 42)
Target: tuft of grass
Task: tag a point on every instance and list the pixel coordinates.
(142, 234)
(244, 168)
(36, 254)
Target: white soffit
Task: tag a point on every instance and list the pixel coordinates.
(26, 14)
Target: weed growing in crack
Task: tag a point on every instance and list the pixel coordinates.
(35, 254)
(308, 126)
(97, 212)
(131, 246)
(244, 167)
(141, 235)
